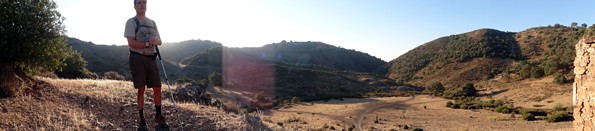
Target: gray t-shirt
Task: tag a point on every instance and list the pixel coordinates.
(143, 34)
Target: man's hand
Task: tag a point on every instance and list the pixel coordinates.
(154, 41)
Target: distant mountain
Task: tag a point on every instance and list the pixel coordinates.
(485, 53)
(103, 58)
(309, 70)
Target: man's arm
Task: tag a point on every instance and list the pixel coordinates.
(135, 44)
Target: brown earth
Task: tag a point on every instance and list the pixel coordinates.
(398, 112)
(61, 104)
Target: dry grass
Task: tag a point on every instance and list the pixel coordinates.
(401, 112)
(82, 104)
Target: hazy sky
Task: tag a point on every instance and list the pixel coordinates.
(382, 28)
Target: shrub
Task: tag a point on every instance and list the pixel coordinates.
(48, 75)
(528, 116)
(201, 83)
(76, 66)
(453, 94)
(449, 104)
(469, 89)
(455, 106)
(113, 75)
(183, 80)
(215, 79)
(504, 109)
(258, 96)
(536, 72)
(295, 100)
(558, 116)
(559, 79)
(558, 107)
(464, 106)
(435, 88)
(525, 70)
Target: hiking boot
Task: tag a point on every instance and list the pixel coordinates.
(160, 120)
(142, 126)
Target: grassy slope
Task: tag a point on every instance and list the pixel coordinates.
(61, 104)
(480, 55)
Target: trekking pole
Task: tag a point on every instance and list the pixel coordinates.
(166, 79)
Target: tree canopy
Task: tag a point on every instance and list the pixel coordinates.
(32, 38)
(32, 34)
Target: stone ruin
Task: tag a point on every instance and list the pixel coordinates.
(583, 88)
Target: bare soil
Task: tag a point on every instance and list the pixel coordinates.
(430, 113)
(398, 113)
(62, 104)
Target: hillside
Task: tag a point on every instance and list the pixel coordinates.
(247, 70)
(62, 104)
(278, 70)
(104, 58)
(487, 53)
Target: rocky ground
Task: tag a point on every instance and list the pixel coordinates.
(61, 104)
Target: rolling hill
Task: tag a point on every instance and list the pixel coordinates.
(278, 70)
(484, 54)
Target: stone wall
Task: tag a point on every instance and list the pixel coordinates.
(583, 88)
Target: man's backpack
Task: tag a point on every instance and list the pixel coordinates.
(138, 25)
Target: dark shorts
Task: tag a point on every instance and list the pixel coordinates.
(144, 71)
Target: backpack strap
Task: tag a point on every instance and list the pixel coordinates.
(138, 25)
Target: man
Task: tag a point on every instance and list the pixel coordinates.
(143, 36)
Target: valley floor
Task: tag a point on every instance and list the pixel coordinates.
(422, 111)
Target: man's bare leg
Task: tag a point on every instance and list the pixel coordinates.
(157, 97)
(140, 99)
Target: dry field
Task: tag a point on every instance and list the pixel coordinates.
(398, 112)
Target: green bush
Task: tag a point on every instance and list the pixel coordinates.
(449, 103)
(559, 79)
(469, 89)
(454, 94)
(504, 109)
(76, 67)
(435, 88)
(528, 116)
(215, 79)
(558, 116)
(184, 80)
(536, 72)
(558, 107)
(464, 106)
(295, 100)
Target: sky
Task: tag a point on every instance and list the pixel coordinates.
(382, 28)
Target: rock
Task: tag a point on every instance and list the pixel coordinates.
(579, 70)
